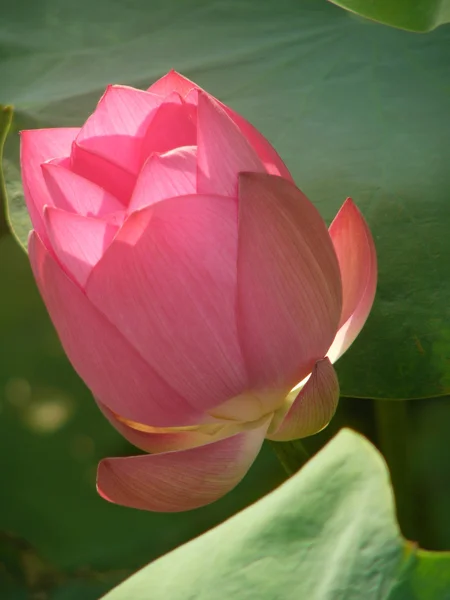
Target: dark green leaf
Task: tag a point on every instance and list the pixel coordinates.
(415, 15)
(24, 575)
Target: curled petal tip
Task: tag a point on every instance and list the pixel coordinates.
(179, 481)
(313, 407)
(356, 253)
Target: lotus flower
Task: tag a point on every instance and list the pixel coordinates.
(192, 285)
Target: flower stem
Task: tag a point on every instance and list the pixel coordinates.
(6, 113)
(392, 424)
(292, 455)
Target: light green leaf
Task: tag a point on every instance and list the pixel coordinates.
(354, 109)
(415, 15)
(327, 533)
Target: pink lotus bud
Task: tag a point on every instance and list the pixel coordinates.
(192, 285)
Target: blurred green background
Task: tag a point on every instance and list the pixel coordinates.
(354, 108)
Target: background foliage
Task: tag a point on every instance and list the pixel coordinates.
(354, 108)
(415, 15)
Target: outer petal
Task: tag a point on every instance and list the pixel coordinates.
(312, 409)
(116, 374)
(165, 176)
(289, 288)
(118, 126)
(223, 152)
(38, 146)
(79, 242)
(76, 194)
(168, 282)
(266, 152)
(178, 481)
(156, 440)
(172, 126)
(355, 249)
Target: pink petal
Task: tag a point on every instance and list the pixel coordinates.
(172, 82)
(165, 176)
(355, 249)
(191, 104)
(118, 125)
(266, 152)
(76, 194)
(116, 374)
(313, 408)
(38, 146)
(79, 242)
(191, 100)
(223, 152)
(114, 179)
(178, 481)
(156, 440)
(168, 282)
(289, 289)
(171, 127)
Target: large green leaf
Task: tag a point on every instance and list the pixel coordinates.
(328, 532)
(354, 109)
(415, 15)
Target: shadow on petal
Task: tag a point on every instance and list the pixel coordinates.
(156, 440)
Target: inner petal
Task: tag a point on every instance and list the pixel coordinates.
(172, 126)
(172, 82)
(79, 242)
(166, 176)
(96, 168)
(74, 193)
(118, 125)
